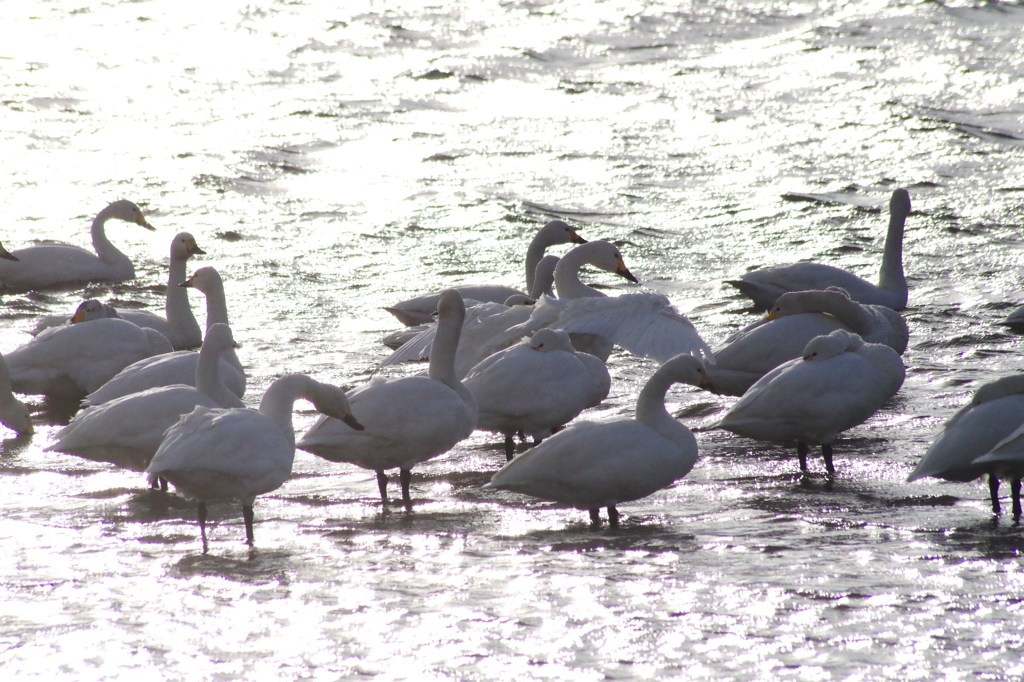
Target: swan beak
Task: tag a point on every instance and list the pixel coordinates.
(575, 238)
(4, 253)
(188, 282)
(79, 316)
(193, 249)
(704, 382)
(351, 421)
(624, 271)
(772, 315)
(144, 223)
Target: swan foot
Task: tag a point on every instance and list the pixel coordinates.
(510, 447)
(405, 476)
(801, 452)
(249, 516)
(993, 491)
(826, 453)
(1015, 492)
(201, 515)
(613, 516)
(382, 486)
(595, 517)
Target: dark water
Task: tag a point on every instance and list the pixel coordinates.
(332, 160)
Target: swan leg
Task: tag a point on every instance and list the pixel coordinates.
(613, 516)
(993, 491)
(510, 446)
(595, 517)
(405, 476)
(201, 515)
(163, 484)
(826, 452)
(248, 515)
(1015, 491)
(382, 486)
(801, 452)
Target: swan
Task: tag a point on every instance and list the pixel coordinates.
(178, 367)
(420, 310)
(14, 414)
(214, 454)
(69, 362)
(795, 319)
(128, 430)
(837, 384)
(408, 420)
(590, 465)
(765, 286)
(178, 325)
(645, 324)
(535, 386)
(995, 411)
(54, 264)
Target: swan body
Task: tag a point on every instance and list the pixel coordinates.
(534, 387)
(765, 286)
(590, 465)
(408, 420)
(128, 430)
(420, 310)
(54, 264)
(214, 454)
(69, 362)
(179, 367)
(14, 414)
(995, 412)
(838, 383)
(795, 319)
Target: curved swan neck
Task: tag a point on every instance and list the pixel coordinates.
(850, 313)
(567, 274)
(891, 275)
(553, 232)
(177, 309)
(650, 406)
(107, 252)
(279, 400)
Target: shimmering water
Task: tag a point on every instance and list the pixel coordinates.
(334, 159)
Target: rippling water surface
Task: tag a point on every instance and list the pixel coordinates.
(334, 159)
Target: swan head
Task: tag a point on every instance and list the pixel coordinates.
(605, 255)
(549, 339)
(831, 345)
(204, 279)
(15, 415)
(128, 212)
(687, 369)
(4, 253)
(560, 232)
(184, 246)
(899, 203)
(331, 401)
(810, 301)
(519, 299)
(92, 309)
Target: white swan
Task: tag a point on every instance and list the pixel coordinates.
(590, 465)
(645, 324)
(178, 325)
(420, 310)
(838, 383)
(214, 454)
(795, 319)
(765, 286)
(55, 264)
(408, 420)
(69, 362)
(178, 367)
(14, 414)
(128, 430)
(535, 386)
(995, 411)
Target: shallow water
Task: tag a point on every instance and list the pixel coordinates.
(335, 160)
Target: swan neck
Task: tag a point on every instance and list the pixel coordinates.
(567, 275)
(891, 276)
(177, 309)
(107, 252)
(208, 381)
(443, 350)
(216, 306)
(279, 401)
(650, 406)
(850, 313)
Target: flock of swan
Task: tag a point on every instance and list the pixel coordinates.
(520, 364)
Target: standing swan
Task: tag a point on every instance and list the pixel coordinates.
(408, 420)
(765, 286)
(55, 264)
(216, 454)
(590, 465)
(838, 383)
(419, 310)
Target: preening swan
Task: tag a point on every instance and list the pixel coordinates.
(421, 309)
(765, 286)
(408, 420)
(995, 411)
(214, 454)
(838, 383)
(179, 367)
(128, 430)
(535, 386)
(795, 319)
(70, 362)
(590, 465)
(54, 264)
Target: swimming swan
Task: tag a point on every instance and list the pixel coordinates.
(54, 264)
(214, 454)
(590, 465)
(765, 286)
(408, 420)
